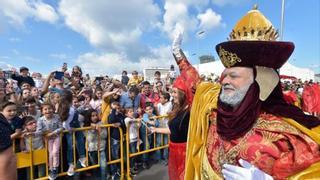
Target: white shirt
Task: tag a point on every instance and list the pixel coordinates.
(66, 124)
(163, 109)
(133, 129)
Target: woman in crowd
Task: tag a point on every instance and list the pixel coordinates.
(70, 119)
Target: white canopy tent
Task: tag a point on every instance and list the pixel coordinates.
(288, 69)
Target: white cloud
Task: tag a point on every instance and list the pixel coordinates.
(14, 39)
(15, 51)
(185, 14)
(17, 11)
(114, 63)
(110, 24)
(227, 2)
(31, 59)
(60, 56)
(4, 65)
(177, 17)
(209, 20)
(45, 12)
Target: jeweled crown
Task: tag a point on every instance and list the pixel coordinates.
(254, 26)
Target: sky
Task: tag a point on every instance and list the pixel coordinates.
(105, 37)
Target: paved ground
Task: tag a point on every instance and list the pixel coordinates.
(156, 172)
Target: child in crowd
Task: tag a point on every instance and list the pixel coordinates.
(9, 113)
(50, 126)
(133, 125)
(96, 101)
(32, 108)
(163, 108)
(147, 135)
(54, 99)
(117, 119)
(29, 134)
(92, 119)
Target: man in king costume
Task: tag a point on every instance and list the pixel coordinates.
(244, 129)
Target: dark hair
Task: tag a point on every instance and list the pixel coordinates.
(181, 107)
(27, 119)
(160, 82)
(149, 104)
(46, 104)
(87, 115)
(73, 74)
(134, 89)
(64, 105)
(166, 95)
(145, 83)
(157, 73)
(94, 95)
(23, 68)
(5, 104)
(115, 103)
(30, 100)
(124, 72)
(128, 109)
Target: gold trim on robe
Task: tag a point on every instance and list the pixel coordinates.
(197, 163)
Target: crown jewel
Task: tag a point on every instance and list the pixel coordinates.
(253, 26)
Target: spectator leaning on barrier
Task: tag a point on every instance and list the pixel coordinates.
(163, 108)
(29, 136)
(95, 144)
(117, 119)
(147, 134)
(50, 126)
(133, 126)
(8, 165)
(70, 118)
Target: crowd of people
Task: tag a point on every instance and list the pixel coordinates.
(42, 108)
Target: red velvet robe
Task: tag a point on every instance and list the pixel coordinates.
(273, 146)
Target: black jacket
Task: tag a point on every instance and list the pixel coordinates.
(21, 79)
(116, 118)
(5, 132)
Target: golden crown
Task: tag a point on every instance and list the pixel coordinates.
(253, 26)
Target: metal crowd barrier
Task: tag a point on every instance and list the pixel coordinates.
(140, 152)
(39, 157)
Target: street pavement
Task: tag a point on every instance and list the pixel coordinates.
(156, 172)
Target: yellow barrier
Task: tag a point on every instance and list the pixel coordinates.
(38, 157)
(130, 155)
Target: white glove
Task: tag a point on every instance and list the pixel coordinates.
(176, 44)
(246, 172)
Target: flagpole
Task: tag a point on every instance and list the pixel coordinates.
(282, 20)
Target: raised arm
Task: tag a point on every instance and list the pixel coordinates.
(188, 74)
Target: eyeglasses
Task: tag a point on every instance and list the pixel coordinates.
(31, 123)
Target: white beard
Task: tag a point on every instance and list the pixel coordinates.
(237, 97)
